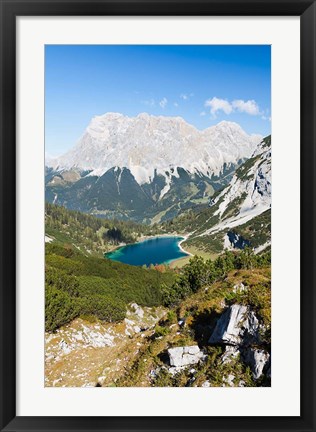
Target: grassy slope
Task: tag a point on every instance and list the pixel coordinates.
(201, 311)
(77, 285)
(257, 231)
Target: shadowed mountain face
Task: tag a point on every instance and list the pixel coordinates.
(146, 168)
(117, 194)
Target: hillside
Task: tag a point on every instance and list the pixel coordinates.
(78, 285)
(219, 313)
(89, 234)
(223, 354)
(237, 216)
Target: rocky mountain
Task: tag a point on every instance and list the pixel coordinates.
(240, 214)
(146, 168)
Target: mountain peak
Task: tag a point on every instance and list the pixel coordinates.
(146, 144)
(227, 123)
(109, 116)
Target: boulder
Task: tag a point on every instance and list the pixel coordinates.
(229, 380)
(239, 288)
(175, 370)
(237, 326)
(137, 310)
(184, 356)
(257, 359)
(231, 352)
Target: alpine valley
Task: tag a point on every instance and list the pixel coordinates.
(202, 321)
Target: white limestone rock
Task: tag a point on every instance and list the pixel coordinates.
(175, 370)
(231, 353)
(137, 329)
(137, 310)
(257, 359)
(64, 347)
(96, 339)
(236, 326)
(184, 356)
(239, 288)
(229, 380)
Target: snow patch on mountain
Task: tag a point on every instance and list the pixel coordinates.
(262, 247)
(166, 188)
(148, 144)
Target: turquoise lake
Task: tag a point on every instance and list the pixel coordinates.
(157, 250)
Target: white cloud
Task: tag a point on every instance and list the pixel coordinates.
(149, 102)
(163, 102)
(176, 104)
(202, 113)
(249, 107)
(238, 105)
(217, 104)
(186, 96)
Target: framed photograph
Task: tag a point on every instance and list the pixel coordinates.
(157, 215)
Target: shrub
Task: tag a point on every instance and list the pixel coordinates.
(161, 331)
(60, 308)
(171, 317)
(104, 308)
(61, 281)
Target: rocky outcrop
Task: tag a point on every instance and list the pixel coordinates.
(257, 359)
(140, 319)
(137, 310)
(237, 326)
(230, 353)
(184, 356)
(238, 329)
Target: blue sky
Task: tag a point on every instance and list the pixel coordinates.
(204, 84)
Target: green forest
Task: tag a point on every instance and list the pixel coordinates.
(98, 288)
(91, 234)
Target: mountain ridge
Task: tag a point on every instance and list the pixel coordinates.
(146, 144)
(240, 214)
(146, 168)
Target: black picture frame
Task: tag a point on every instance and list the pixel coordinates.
(9, 10)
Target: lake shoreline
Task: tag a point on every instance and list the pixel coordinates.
(184, 238)
(141, 239)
